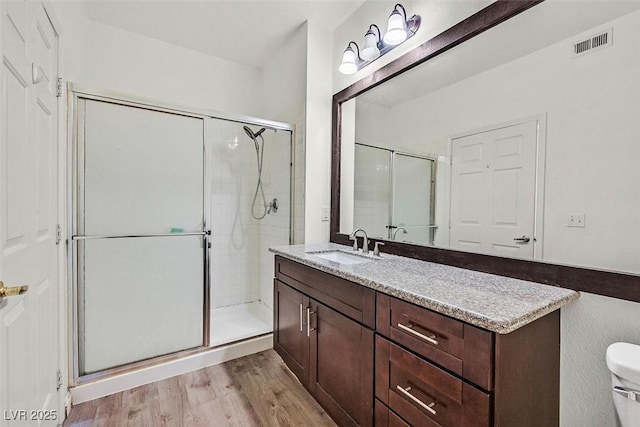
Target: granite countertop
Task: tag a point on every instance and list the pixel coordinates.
(499, 304)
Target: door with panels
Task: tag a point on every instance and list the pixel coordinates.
(29, 332)
(493, 191)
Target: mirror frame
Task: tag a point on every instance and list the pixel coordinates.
(608, 283)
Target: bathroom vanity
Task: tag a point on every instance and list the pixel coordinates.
(392, 341)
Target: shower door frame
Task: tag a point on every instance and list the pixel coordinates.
(78, 92)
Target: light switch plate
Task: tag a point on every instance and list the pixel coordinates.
(325, 213)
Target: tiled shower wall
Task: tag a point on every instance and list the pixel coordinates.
(371, 190)
(235, 235)
(241, 265)
(274, 228)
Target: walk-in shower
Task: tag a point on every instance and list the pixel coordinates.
(244, 225)
(166, 254)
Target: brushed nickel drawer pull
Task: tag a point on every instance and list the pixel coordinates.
(300, 317)
(309, 328)
(431, 338)
(428, 407)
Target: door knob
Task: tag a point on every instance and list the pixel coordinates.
(11, 291)
(522, 240)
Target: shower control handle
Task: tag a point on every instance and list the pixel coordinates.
(272, 206)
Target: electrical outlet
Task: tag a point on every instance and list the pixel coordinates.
(575, 220)
(325, 214)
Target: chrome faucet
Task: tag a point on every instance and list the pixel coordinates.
(365, 242)
(404, 231)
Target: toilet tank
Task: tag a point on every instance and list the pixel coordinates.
(623, 360)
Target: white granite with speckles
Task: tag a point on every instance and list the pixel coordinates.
(496, 303)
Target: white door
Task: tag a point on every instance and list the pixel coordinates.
(28, 206)
(493, 185)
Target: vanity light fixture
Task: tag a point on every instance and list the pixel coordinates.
(399, 29)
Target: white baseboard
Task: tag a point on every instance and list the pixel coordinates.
(107, 386)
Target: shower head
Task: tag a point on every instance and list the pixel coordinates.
(250, 133)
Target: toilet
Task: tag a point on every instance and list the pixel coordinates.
(623, 360)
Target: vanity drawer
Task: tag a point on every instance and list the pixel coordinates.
(425, 395)
(384, 417)
(458, 347)
(349, 298)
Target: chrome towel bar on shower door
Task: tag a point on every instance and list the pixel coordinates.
(125, 236)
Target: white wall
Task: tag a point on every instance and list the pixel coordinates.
(74, 22)
(318, 132)
(128, 62)
(371, 126)
(284, 100)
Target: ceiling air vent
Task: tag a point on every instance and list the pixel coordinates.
(593, 42)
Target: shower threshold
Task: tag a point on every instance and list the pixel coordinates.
(238, 322)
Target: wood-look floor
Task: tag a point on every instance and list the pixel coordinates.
(256, 390)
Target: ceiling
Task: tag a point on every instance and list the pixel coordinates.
(546, 23)
(248, 32)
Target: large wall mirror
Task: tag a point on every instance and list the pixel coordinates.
(523, 142)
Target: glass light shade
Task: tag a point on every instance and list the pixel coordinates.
(348, 65)
(370, 50)
(396, 31)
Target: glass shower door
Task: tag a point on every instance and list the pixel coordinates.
(139, 234)
(413, 198)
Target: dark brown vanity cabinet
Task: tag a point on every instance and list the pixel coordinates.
(321, 334)
(420, 368)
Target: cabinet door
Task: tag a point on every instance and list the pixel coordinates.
(384, 417)
(341, 366)
(290, 334)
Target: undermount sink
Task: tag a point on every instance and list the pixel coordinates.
(342, 257)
